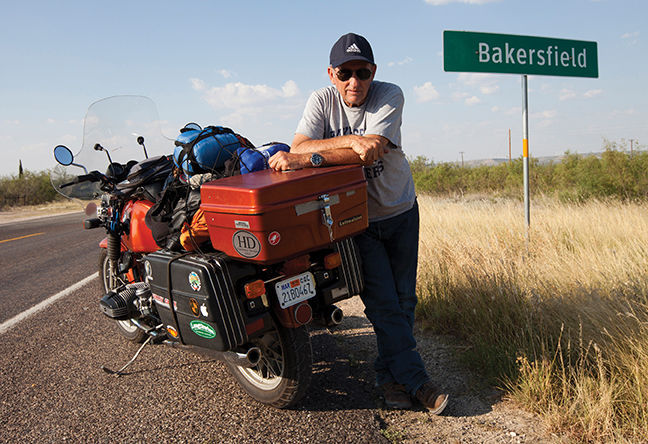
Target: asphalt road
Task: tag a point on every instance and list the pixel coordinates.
(53, 390)
(40, 257)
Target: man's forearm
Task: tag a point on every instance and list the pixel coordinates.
(341, 156)
(318, 145)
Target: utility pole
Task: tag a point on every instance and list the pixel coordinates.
(631, 153)
(462, 153)
(510, 146)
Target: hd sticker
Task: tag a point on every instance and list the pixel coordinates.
(246, 244)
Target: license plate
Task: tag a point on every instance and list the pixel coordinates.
(296, 289)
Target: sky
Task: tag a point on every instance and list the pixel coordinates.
(251, 65)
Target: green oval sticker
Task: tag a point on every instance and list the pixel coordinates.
(202, 329)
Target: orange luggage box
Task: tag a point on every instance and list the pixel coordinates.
(268, 216)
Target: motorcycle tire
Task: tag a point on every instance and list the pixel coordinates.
(283, 374)
(106, 283)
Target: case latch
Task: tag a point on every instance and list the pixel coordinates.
(327, 218)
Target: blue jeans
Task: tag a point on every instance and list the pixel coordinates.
(389, 251)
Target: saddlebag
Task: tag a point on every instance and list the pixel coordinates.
(201, 290)
(268, 216)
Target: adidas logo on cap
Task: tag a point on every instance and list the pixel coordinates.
(353, 48)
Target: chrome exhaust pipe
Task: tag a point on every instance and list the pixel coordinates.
(333, 316)
(248, 359)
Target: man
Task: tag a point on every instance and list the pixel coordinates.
(357, 121)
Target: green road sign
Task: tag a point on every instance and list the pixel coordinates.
(518, 54)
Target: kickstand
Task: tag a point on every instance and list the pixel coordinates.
(118, 373)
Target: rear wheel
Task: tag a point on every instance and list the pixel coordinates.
(109, 281)
(283, 374)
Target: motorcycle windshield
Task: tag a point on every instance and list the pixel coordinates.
(114, 123)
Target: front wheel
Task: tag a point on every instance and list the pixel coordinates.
(109, 281)
(283, 374)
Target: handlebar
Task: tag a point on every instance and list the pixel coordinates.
(93, 176)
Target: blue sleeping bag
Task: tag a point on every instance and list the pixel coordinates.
(207, 150)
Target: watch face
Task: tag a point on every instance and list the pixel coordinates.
(316, 159)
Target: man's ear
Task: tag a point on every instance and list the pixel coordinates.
(331, 74)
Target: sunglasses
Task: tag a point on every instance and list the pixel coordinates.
(345, 74)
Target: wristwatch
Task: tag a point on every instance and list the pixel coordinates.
(316, 159)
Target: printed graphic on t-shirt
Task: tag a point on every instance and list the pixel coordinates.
(375, 170)
(346, 131)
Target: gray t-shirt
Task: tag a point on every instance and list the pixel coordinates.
(390, 185)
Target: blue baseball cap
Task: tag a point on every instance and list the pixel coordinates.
(351, 47)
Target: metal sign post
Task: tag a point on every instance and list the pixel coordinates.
(525, 151)
(518, 54)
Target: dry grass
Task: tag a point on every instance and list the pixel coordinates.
(561, 320)
(12, 214)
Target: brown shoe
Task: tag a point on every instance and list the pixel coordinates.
(431, 398)
(396, 396)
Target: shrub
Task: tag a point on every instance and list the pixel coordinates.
(30, 189)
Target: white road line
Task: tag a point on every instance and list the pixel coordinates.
(5, 326)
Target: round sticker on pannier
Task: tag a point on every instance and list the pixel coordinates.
(274, 238)
(194, 281)
(246, 244)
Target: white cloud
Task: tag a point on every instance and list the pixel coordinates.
(630, 35)
(68, 138)
(632, 38)
(592, 93)
(50, 120)
(472, 100)
(548, 114)
(486, 83)
(623, 112)
(470, 2)
(12, 122)
(495, 109)
(426, 92)
(225, 73)
(471, 79)
(513, 111)
(489, 89)
(405, 61)
(197, 84)
(238, 95)
(567, 94)
(259, 112)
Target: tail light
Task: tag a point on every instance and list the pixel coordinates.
(296, 266)
(332, 261)
(254, 289)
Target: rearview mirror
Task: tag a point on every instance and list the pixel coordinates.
(63, 155)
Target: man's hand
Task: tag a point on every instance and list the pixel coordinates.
(369, 148)
(282, 161)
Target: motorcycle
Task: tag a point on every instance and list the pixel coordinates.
(279, 255)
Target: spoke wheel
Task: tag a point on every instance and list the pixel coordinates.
(283, 374)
